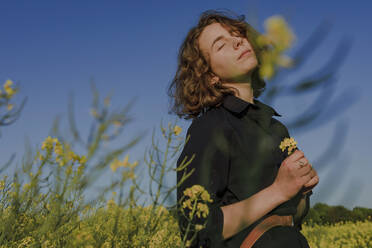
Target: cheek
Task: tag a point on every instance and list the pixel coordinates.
(221, 64)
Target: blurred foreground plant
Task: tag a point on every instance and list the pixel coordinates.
(277, 39)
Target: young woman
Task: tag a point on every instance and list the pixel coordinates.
(260, 194)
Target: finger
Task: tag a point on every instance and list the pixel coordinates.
(305, 170)
(313, 182)
(306, 177)
(302, 162)
(296, 155)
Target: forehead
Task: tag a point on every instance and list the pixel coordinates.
(211, 32)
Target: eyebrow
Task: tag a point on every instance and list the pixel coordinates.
(217, 39)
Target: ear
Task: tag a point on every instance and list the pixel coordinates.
(214, 80)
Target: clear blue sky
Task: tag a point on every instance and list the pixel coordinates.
(52, 48)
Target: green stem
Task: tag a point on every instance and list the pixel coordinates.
(189, 224)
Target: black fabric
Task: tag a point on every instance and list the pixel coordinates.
(237, 154)
(281, 237)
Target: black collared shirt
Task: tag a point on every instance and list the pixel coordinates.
(237, 154)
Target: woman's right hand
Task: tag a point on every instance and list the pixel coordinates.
(292, 176)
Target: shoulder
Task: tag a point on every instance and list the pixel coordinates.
(208, 134)
(212, 121)
(279, 127)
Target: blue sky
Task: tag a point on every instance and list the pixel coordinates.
(129, 48)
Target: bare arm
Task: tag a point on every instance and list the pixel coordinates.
(240, 215)
(289, 181)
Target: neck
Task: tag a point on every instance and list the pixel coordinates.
(245, 91)
(243, 86)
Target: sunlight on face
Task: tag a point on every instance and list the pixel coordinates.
(224, 52)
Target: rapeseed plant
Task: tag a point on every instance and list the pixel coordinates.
(277, 38)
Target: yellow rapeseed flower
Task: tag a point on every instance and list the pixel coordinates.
(8, 83)
(129, 174)
(279, 37)
(47, 143)
(58, 149)
(117, 163)
(125, 161)
(205, 196)
(197, 193)
(110, 203)
(64, 154)
(8, 88)
(289, 143)
(266, 70)
(279, 32)
(187, 204)
(177, 130)
(194, 191)
(202, 209)
(199, 227)
(61, 163)
(83, 160)
(188, 243)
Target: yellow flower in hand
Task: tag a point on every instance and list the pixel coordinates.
(289, 143)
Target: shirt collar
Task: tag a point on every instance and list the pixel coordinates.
(238, 105)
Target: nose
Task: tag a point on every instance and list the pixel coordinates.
(237, 41)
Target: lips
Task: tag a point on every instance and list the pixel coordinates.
(244, 53)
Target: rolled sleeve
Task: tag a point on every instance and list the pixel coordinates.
(211, 169)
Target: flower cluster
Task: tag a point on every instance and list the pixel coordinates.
(195, 193)
(8, 90)
(7, 94)
(172, 130)
(64, 154)
(117, 163)
(279, 35)
(289, 143)
(343, 234)
(177, 130)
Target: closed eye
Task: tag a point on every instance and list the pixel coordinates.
(220, 47)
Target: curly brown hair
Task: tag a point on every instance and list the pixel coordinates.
(190, 91)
